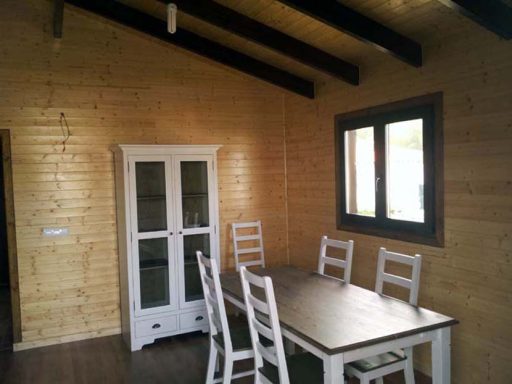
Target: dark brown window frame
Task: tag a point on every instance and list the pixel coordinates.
(430, 108)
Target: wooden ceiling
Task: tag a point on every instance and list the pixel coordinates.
(424, 22)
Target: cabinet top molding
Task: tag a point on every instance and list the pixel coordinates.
(134, 149)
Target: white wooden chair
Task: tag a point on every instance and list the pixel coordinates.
(234, 344)
(324, 259)
(271, 364)
(238, 240)
(378, 366)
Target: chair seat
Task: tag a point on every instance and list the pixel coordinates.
(303, 368)
(374, 362)
(240, 338)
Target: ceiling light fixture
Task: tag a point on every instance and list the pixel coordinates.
(172, 10)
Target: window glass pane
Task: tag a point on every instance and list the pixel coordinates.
(154, 273)
(360, 172)
(151, 203)
(194, 190)
(404, 147)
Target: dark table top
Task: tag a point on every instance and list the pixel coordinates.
(337, 317)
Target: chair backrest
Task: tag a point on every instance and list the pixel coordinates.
(258, 309)
(412, 284)
(238, 241)
(346, 264)
(213, 298)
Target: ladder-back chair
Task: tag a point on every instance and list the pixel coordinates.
(324, 259)
(233, 345)
(240, 249)
(378, 366)
(271, 364)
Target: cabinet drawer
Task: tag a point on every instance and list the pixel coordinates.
(194, 319)
(156, 326)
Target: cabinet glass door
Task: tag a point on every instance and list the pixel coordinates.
(152, 229)
(193, 289)
(195, 233)
(154, 273)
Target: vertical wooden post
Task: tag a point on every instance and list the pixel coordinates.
(5, 142)
(58, 16)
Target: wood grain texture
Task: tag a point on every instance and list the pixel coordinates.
(117, 86)
(334, 316)
(469, 279)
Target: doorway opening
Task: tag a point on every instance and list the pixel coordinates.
(10, 330)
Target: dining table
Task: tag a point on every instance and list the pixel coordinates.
(340, 323)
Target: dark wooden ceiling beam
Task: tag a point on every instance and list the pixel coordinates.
(494, 15)
(243, 26)
(157, 28)
(58, 18)
(346, 20)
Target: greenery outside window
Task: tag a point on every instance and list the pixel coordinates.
(389, 170)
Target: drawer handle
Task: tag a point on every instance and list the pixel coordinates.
(156, 326)
(199, 318)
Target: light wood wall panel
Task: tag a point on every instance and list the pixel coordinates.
(117, 86)
(471, 277)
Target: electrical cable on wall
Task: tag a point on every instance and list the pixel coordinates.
(65, 134)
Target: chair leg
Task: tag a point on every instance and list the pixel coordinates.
(217, 364)
(212, 363)
(228, 369)
(409, 366)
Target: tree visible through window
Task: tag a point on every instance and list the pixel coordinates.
(390, 170)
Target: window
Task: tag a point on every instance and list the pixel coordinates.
(389, 170)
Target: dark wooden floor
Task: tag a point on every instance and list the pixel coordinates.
(179, 360)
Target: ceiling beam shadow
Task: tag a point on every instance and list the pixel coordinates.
(493, 15)
(245, 27)
(346, 20)
(157, 28)
(58, 18)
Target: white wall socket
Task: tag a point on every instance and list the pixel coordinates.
(51, 232)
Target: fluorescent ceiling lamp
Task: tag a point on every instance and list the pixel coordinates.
(172, 10)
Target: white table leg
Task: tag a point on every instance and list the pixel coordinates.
(441, 369)
(333, 369)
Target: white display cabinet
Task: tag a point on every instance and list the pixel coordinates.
(167, 209)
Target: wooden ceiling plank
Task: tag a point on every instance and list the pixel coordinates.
(493, 15)
(58, 18)
(346, 20)
(243, 26)
(212, 50)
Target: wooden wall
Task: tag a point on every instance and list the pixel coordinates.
(117, 86)
(471, 277)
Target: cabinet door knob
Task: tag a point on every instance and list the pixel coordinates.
(180, 232)
(156, 326)
(199, 318)
(171, 233)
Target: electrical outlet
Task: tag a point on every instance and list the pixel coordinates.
(52, 232)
